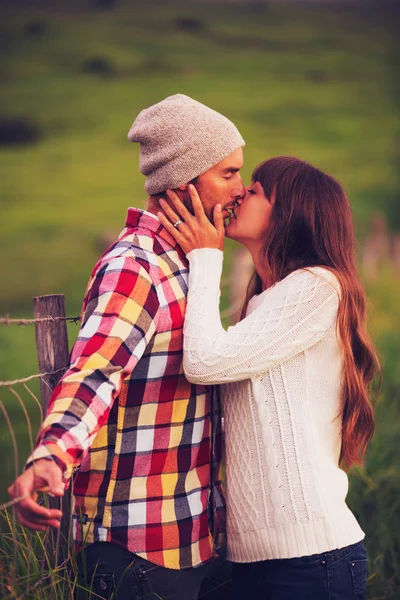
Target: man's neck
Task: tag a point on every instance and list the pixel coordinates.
(152, 206)
(153, 203)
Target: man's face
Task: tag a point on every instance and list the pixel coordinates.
(222, 184)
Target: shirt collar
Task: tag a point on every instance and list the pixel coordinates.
(146, 220)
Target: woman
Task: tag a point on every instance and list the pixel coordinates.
(297, 371)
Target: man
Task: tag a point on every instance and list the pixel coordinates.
(147, 497)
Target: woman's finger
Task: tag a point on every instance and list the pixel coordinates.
(219, 220)
(171, 214)
(185, 214)
(197, 204)
(174, 231)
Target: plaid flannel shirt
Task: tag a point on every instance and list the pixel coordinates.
(148, 442)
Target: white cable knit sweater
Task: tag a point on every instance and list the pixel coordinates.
(281, 367)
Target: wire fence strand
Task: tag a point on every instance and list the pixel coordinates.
(25, 379)
(7, 321)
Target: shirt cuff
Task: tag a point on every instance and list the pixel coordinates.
(52, 452)
(205, 266)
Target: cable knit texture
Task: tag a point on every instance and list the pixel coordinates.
(281, 367)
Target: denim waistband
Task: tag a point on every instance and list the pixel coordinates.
(334, 556)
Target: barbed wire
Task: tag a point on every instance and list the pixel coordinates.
(11, 503)
(7, 321)
(22, 322)
(25, 379)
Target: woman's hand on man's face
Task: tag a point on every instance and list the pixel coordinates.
(193, 231)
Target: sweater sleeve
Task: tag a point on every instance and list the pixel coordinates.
(293, 316)
(119, 319)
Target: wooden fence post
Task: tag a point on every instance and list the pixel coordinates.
(53, 355)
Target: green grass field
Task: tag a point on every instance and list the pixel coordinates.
(315, 82)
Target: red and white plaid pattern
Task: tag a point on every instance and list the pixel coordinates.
(147, 441)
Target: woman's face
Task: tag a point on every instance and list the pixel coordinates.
(251, 217)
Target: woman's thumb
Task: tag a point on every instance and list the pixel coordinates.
(219, 219)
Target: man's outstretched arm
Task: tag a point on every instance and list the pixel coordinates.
(120, 312)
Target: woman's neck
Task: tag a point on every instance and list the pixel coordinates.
(256, 253)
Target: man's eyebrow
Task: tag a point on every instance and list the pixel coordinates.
(231, 169)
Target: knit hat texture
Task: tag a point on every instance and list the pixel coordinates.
(180, 139)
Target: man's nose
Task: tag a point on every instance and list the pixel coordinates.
(241, 193)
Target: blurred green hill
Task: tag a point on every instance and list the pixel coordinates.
(317, 82)
(307, 81)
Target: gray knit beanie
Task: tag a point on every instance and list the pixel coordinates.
(180, 139)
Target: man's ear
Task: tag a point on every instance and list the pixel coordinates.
(184, 195)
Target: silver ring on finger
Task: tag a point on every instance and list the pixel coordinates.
(179, 222)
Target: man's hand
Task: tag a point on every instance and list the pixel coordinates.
(43, 476)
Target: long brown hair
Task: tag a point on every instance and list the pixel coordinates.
(312, 225)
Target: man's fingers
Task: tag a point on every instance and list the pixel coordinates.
(23, 486)
(31, 524)
(44, 477)
(30, 519)
(28, 505)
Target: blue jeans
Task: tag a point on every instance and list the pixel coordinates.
(335, 575)
(113, 572)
